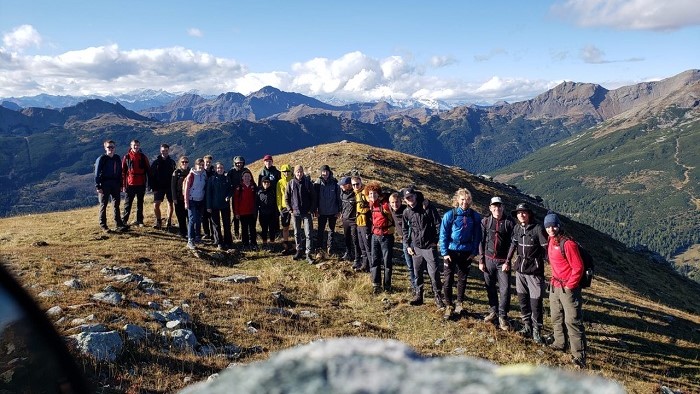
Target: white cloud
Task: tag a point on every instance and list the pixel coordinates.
(631, 14)
(21, 37)
(592, 54)
(442, 61)
(194, 32)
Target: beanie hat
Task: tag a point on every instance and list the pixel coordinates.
(325, 168)
(551, 220)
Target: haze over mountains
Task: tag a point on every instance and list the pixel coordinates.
(48, 154)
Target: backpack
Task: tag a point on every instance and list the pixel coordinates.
(588, 265)
(474, 222)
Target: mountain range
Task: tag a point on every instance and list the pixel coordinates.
(48, 154)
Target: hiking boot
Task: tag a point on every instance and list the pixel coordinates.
(169, 223)
(439, 302)
(580, 363)
(157, 226)
(190, 245)
(105, 228)
(123, 228)
(503, 324)
(536, 336)
(387, 289)
(309, 259)
(139, 224)
(526, 331)
(298, 255)
(320, 255)
(376, 289)
(347, 257)
(490, 317)
(458, 308)
(556, 347)
(328, 252)
(417, 299)
(448, 312)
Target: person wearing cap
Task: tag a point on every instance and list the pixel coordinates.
(267, 211)
(364, 224)
(530, 242)
(234, 178)
(218, 196)
(348, 215)
(300, 198)
(497, 232)
(565, 301)
(460, 236)
(327, 209)
(285, 215)
(269, 170)
(421, 228)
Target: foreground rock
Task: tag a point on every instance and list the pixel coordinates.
(360, 365)
(103, 346)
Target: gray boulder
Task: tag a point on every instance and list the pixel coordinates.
(108, 297)
(361, 365)
(134, 333)
(103, 346)
(183, 339)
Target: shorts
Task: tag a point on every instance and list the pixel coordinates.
(285, 217)
(158, 196)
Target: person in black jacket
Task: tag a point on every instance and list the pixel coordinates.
(176, 183)
(161, 173)
(348, 214)
(108, 181)
(530, 241)
(420, 230)
(234, 178)
(494, 246)
(218, 196)
(268, 215)
(300, 198)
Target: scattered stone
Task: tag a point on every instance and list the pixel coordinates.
(59, 321)
(440, 341)
(177, 313)
(363, 365)
(308, 315)
(110, 289)
(251, 330)
(237, 278)
(356, 323)
(80, 306)
(201, 295)
(282, 301)
(74, 283)
(183, 339)
(96, 327)
(127, 278)
(459, 350)
(281, 312)
(103, 346)
(234, 301)
(490, 340)
(54, 311)
(173, 324)
(40, 243)
(111, 271)
(134, 333)
(147, 283)
(154, 305)
(109, 297)
(157, 316)
(50, 293)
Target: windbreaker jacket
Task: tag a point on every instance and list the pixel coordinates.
(108, 171)
(280, 190)
(300, 196)
(161, 173)
(273, 173)
(382, 220)
(497, 236)
(363, 218)
(421, 225)
(195, 185)
(245, 200)
(348, 205)
(531, 244)
(327, 196)
(566, 272)
(460, 231)
(177, 182)
(135, 169)
(267, 201)
(218, 190)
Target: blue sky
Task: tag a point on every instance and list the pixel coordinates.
(361, 50)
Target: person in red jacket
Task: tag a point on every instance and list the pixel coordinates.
(244, 205)
(565, 300)
(382, 238)
(135, 170)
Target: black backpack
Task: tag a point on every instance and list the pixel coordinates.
(588, 266)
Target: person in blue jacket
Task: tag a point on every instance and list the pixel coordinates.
(460, 236)
(108, 182)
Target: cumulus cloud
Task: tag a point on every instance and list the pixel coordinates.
(194, 32)
(442, 61)
(21, 37)
(592, 54)
(630, 14)
(354, 76)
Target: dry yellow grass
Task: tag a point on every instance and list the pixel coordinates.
(641, 320)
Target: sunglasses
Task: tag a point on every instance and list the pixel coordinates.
(110, 147)
(184, 161)
(355, 184)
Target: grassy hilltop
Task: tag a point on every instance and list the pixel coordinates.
(641, 318)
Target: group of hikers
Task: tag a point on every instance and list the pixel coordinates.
(204, 198)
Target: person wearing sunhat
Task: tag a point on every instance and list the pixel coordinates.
(234, 177)
(497, 232)
(530, 242)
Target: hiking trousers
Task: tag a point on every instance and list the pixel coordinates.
(303, 226)
(565, 306)
(221, 218)
(269, 226)
(350, 237)
(323, 240)
(497, 285)
(181, 214)
(363, 235)
(426, 259)
(382, 246)
(108, 191)
(530, 290)
(459, 266)
(134, 191)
